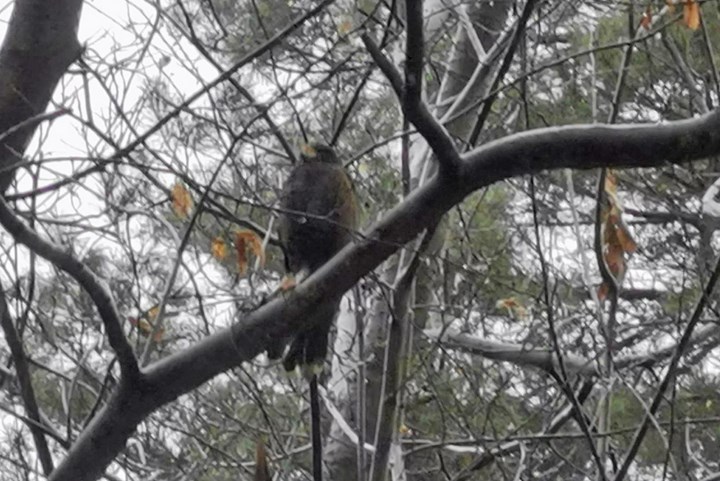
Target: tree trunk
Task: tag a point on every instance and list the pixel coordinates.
(340, 453)
(40, 43)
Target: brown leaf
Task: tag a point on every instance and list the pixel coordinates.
(345, 26)
(262, 472)
(611, 184)
(513, 306)
(218, 248)
(602, 291)
(145, 327)
(691, 14)
(157, 337)
(617, 242)
(646, 19)
(181, 200)
(142, 325)
(625, 239)
(247, 239)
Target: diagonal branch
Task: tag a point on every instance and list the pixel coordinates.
(670, 374)
(26, 389)
(410, 92)
(93, 285)
(415, 109)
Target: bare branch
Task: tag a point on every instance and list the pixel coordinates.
(415, 109)
(519, 354)
(92, 284)
(392, 73)
(27, 81)
(25, 381)
(670, 373)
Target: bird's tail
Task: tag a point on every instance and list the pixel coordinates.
(309, 348)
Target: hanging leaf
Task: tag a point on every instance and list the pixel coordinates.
(345, 26)
(145, 326)
(670, 5)
(245, 240)
(646, 19)
(158, 336)
(181, 200)
(218, 248)
(513, 306)
(691, 14)
(262, 472)
(617, 242)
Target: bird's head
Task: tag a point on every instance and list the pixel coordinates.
(319, 153)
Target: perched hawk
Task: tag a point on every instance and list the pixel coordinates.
(319, 214)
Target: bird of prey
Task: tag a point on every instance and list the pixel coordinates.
(318, 217)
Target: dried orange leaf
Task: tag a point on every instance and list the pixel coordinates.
(218, 248)
(611, 183)
(646, 19)
(507, 303)
(241, 251)
(145, 327)
(157, 337)
(691, 14)
(345, 26)
(602, 291)
(142, 325)
(628, 244)
(247, 239)
(512, 305)
(181, 200)
(615, 260)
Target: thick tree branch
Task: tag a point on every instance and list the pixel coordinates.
(579, 147)
(40, 44)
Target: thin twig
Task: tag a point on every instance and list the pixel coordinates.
(95, 287)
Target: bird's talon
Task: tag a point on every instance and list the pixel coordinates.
(287, 283)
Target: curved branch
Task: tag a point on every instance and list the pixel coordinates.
(93, 285)
(579, 147)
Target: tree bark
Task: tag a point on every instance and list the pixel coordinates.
(40, 43)
(490, 18)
